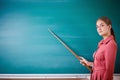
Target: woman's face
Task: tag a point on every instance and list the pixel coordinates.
(102, 28)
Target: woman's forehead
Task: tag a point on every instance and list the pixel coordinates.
(100, 22)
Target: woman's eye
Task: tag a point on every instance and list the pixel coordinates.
(102, 25)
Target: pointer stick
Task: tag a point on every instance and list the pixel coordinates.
(78, 57)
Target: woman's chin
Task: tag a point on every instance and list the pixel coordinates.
(101, 34)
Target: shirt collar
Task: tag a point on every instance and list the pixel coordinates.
(105, 41)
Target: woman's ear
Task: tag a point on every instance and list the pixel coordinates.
(110, 26)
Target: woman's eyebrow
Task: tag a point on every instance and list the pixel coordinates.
(101, 23)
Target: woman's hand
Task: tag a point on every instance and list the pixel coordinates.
(84, 62)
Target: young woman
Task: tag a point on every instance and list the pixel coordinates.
(105, 55)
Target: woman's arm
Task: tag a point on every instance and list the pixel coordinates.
(110, 56)
(90, 64)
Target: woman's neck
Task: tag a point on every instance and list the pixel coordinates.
(104, 37)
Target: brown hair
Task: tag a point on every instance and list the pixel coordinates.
(108, 22)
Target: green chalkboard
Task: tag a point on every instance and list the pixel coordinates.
(26, 46)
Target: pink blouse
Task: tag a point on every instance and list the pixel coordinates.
(104, 60)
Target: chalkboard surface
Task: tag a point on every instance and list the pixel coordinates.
(26, 46)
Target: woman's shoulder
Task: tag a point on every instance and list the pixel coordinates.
(112, 43)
